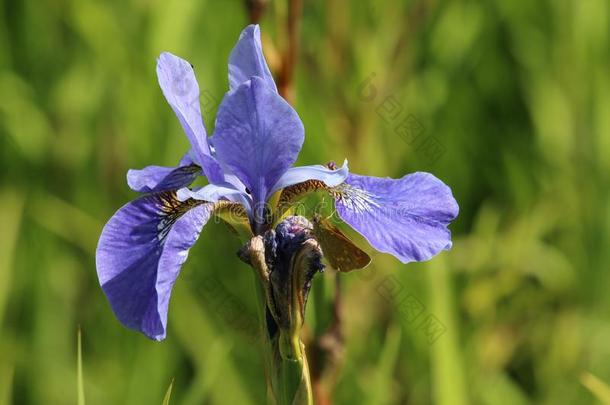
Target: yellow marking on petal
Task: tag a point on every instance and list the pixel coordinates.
(274, 200)
(294, 193)
(171, 205)
(235, 215)
(171, 209)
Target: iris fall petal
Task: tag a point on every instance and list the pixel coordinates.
(139, 256)
(405, 217)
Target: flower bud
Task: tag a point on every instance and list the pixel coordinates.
(293, 257)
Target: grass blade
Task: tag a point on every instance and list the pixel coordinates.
(168, 394)
(598, 388)
(448, 370)
(79, 370)
(10, 218)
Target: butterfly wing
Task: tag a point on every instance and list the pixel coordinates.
(341, 253)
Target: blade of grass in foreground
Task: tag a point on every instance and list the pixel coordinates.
(6, 383)
(168, 394)
(10, 218)
(598, 388)
(448, 371)
(79, 370)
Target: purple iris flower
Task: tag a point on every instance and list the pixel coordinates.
(249, 159)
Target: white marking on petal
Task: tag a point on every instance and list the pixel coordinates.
(355, 199)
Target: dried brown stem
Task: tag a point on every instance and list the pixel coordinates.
(290, 56)
(329, 352)
(256, 9)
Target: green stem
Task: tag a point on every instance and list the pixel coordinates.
(295, 382)
(268, 361)
(288, 381)
(282, 296)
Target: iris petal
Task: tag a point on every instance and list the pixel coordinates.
(180, 87)
(214, 193)
(405, 217)
(296, 175)
(161, 178)
(139, 256)
(258, 136)
(247, 59)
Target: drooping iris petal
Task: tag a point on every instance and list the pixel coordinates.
(180, 88)
(161, 178)
(296, 175)
(247, 59)
(258, 136)
(139, 256)
(405, 217)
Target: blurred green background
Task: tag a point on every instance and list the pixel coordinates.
(508, 102)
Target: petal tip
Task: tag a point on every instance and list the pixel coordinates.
(184, 194)
(165, 58)
(251, 29)
(157, 338)
(132, 179)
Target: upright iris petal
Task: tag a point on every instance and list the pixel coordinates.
(247, 59)
(139, 256)
(258, 136)
(405, 217)
(180, 87)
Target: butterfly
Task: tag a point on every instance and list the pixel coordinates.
(340, 252)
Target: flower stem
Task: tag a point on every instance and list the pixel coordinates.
(288, 381)
(281, 318)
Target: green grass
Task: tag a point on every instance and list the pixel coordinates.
(168, 394)
(79, 370)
